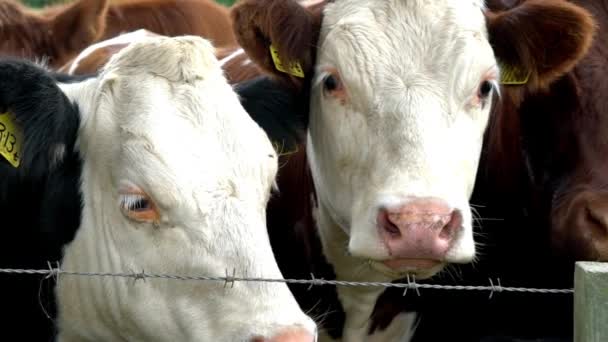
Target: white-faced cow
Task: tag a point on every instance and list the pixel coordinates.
(173, 178)
(398, 95)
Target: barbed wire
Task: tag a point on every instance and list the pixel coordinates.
(231, 279)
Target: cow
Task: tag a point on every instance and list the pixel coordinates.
(102, 167)
(396, 101)
(59, 32)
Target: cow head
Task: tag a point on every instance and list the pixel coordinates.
(548, 132)
(400, 95)
(175, 180)
(54, 34)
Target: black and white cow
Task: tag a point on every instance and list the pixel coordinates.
(107, 180)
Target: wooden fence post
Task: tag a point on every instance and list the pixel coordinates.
(591, 302)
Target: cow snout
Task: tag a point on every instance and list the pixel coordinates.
(582, 229)
(419, 233)
(597, 218)
(289, 335)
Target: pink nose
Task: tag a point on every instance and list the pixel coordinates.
(292, 335)
(422, 229)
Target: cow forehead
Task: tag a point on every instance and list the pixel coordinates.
(185, 129)
(411, 14)
(175, 137)
(370, 38)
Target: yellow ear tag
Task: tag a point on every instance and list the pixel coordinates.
(295, 69)
(10, 139)
(510, 75)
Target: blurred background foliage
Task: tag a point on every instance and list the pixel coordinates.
(42, 3)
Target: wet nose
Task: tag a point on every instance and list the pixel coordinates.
(422, 228)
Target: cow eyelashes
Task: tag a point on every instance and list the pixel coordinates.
(132, 202)
(139, 207)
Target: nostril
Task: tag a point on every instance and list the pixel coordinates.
(385, 222)
(453, 225)
(597, 220)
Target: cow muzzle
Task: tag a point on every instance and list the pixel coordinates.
(419, 233)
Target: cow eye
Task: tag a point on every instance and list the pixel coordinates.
(333, 86)
(139, 207)
(485, 88)
(330, 83)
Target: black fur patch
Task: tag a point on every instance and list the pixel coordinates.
(40, 202)
(276, 109)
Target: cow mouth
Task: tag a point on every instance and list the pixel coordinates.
(399, 268)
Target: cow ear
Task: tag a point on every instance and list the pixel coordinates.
(538, 41)
(279, 36)
(82, 23)
(40, 121)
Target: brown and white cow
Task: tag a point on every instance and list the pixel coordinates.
(399, 95)
(59, 32)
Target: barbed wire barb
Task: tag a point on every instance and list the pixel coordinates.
(53, 272)
(312, 281)
(140, 276)
(494, 288)
(230, 279)
(413, 283)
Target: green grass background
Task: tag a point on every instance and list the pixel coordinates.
(41, 3)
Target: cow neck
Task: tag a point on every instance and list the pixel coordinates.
(296, 243)
(358, 301)
(345, 312)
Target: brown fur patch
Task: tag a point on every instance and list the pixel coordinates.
(203, 18)
(51, 33)
(237, 68)
(62, 31)
(80, 23)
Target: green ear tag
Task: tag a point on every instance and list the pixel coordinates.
(10, 139)
(511, 75)
(295, 69)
